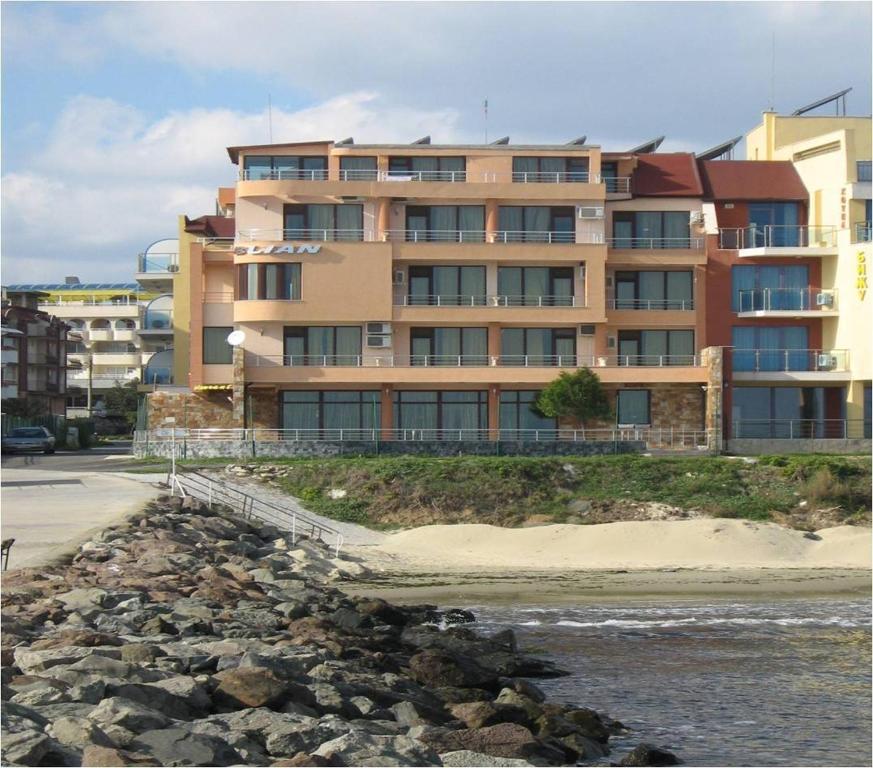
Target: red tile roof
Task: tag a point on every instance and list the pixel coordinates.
(666, 175)
(211, 226)
(751, 180)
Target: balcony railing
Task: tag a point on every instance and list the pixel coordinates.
(683, 305)
(863, 232)
(784, 360)
(777, 236)
(436, 235)
(444, 300)
(786, 299)
(619, 184)
(527, 236)
(157, 263)
(655, 243)
(315, 235)
(124, 301)
(218, 297)
(479, 361)
(800, 429)
(287, 174)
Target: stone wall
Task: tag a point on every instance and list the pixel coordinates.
(212, 409)
(757, 446)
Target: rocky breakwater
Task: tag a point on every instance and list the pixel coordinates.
(186, 637)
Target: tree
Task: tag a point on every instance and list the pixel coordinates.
(121, 402)
(577, 396)
(28, 407)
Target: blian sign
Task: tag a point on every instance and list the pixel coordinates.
(276, 250)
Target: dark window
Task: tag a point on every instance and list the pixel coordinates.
(537, 224)
(441, 415)
(445, 223)
(428, 168)
(773, 224)
(358, 168)
(654, 289)
(609, 174)
(324, 222)
(216, 350)
(538, 346)
(651, 229)
(770, 287)
(656, 347)
(516, 415)
(259, 167)
(535, 286)
(268, 281)
(332, 414)
(783, 412)
(550, 169)
(446, 286)
(779, 348)
(323, 345)
(633, 407)
(448, 346)
(868, 411)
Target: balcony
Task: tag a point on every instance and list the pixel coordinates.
(655, 243)
(787, 302)
(779, 240)
(791, 365)
(489, 309)
(863, 232)
(435, 236)
(306, 235)
(444, 300)
(800, 429)
(651, 305)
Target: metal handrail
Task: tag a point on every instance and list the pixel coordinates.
(531, 236)
(863, 232)
(655, 243)
(614, 184)
(288, 174)
(791, 429)
(776, 360)
(446, 300)
(157, 263)
(436, 235)
(682, 305)
(777, 236)
(787, 299)
(483, 360)
(205, 488)
(312, 235)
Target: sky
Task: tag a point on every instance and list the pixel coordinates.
(116, 115)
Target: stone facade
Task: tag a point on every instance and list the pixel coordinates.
(214, 409)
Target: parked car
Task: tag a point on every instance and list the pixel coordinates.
(29, 439)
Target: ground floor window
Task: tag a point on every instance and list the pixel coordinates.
(216, 350)
(438, 415)
(633, 407)
(787, 412)
(326, 413)
(516, 414)
(868, 409)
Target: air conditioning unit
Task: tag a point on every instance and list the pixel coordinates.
(173, 268)
(824, 299)
(589, 211)
(378, 329)
(399, 277)
(586, 330)
(697, 218)
(826, 362)
(610, 342)
(351, 199)
(379, 342)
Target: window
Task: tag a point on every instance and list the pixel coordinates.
(609, 174)
(535, 286)
(549, 169)
(516, 414)
(651, 229)
(428, 168)
(268, 281)
(448, 346)
(259, 167)
(358, 168)
(446, 286)
(656, 347)
(633, 407)
(773, 224)
(323, 345)
(445, 415)
(868, 411)
(216, 350)
(538, 346)
(445, 223)
(537, 224)
(781, 412)
(328, 412)
(863, 168)
(324, 222)
(780, 348)
(654, 290)
(756, 288)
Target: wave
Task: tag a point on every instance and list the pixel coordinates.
(835, 621)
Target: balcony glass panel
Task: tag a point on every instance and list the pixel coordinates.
(770, 349)
(651, 229)
(773, 224)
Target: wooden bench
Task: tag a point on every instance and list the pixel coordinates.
(5, 546)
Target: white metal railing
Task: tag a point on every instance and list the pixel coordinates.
(528, 236)
(483, 360)
(313, 235)
(863, 232)
(656, 243)
(444, 300)
(617, 185)
(777, 236)
(125, 301)
(783, 360)
(217, 297)
(800, 429)
(436, 235)
(157, 263)
(682, 305)
(551, 177)
(285, 174)
(785, 299)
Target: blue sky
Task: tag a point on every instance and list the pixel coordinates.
(116, 115)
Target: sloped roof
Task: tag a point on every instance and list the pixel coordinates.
(233, 152)
(751, 180)
(211, 226)
(666, 175)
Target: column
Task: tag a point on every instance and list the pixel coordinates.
(239, 387)
(855, 409)
(494, 412)
(386, 393)
(492, 219)
(383, 218)
(713, 359)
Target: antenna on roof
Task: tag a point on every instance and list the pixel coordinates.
(422, 140)
(580, 140)
(485, 108)
(773, 73)
(347, 140)
(270, 115)
(719, 151)
(837, 98)
(501, 140)
(647, 147)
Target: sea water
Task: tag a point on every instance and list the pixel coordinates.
(729, 683)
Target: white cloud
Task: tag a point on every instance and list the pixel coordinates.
(109, 181)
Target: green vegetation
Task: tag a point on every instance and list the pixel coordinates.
(577, 396)
(392, 491)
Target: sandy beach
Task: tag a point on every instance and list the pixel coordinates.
(556, 563)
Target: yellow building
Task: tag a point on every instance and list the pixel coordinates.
(832, 155)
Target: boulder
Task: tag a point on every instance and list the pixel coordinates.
(85, 638)
(363, 749)
(305, 736)
(256, 687)
(647, 754)
(127, 714)
(502, 740)
(476, 714)
(26, 747)
(435, 668)
(140, 653)
(464, 758)
(179, 746)
(77, 732)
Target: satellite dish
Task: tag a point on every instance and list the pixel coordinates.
(235, 338)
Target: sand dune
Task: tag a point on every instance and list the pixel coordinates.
(702, 543)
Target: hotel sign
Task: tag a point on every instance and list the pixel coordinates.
(861, 281)
(276, 250)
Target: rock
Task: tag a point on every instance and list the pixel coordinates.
(103, 757)
(502, 740)
(305, 736)
(437, 668)
(185, 689)
(583, 747)
(25, 747)
(405, 713)
(253, 687)
(454, 616)
(363, 749)
(33, 662)
(526, 688)
(647, 754)
(303, 759)
(139, 653)
(590, 723)
(579, 507)
(179, 746)
(77, 732)
(464, 758)
(127, 714)
(476, 714)
(81, 599)
(84, 638)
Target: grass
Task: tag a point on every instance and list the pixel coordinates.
(390, 491)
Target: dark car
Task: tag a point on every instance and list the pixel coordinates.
(29, 439)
